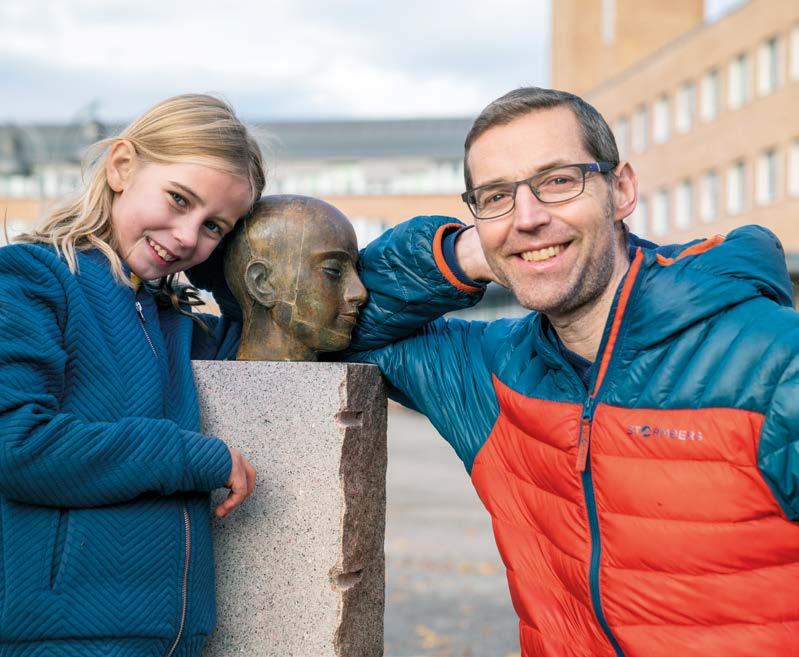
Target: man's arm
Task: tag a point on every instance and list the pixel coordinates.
(412, 282)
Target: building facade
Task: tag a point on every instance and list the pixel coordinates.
(706, 113)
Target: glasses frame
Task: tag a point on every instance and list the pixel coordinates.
(586, 167)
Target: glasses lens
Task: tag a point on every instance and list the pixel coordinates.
(492, 200)
(559, 184)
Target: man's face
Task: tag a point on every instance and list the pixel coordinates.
(557, 257)
(328, 290)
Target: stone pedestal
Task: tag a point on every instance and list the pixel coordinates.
(300, 565)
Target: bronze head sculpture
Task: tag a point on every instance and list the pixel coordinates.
(291, 264)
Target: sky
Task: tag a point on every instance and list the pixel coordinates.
(63, 60)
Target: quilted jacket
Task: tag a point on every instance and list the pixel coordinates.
(105, 545)
(655, 512)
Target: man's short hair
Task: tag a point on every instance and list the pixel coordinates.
(597, 136)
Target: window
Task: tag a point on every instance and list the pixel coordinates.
(738, 82)
(660, 213)
(661, 120)
(794, 63)
(709, 197)
(793, 169)
(736, 188)
(686, 100)
(766, 182)
(639, 218)
(767, 67)
(685, 205)
(622, 133)
(608, 22)
(640, 136)
(710, 96)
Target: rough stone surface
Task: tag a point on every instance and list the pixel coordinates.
(300, 565)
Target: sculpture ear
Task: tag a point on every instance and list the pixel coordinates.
(256, 278)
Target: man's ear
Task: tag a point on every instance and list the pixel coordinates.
(625, 191)
(256, 279)
(120, 164)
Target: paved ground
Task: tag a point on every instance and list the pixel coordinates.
(446, 594)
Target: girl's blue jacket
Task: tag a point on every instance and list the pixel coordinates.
(105, 544)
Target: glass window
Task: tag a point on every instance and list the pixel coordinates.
(686, 100)
(660, 213)
(736, 187)
(710, 95)
(767, 67)
(793, 169)
(661, 120)
(794, 64)
(622, 134)
(766, 181)
(640, 136)
(608, 22)
(709, 197)
(639, 218)
(738, 81)
(685, 205)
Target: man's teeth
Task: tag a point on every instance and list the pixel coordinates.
(161, 251)
(542, 254)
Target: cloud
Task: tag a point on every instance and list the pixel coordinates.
(270, 59)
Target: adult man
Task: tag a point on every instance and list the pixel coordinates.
(636, 440)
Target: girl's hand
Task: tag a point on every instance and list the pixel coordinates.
(241, 483)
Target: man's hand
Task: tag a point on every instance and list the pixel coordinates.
(241, 483)
(471, 259)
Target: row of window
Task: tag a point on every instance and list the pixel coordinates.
(654, 217)
(633, 135)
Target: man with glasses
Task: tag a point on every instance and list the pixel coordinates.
(635, 438)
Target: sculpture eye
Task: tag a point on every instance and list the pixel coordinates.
(332, 272)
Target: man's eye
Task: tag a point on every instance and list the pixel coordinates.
(178, 199)
(333, 273)
(494, 197)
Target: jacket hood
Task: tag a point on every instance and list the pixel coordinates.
(680, 285)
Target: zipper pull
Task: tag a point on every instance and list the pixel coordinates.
(140, 311)
(584, 437)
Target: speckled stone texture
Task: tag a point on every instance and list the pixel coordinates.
(300, 565)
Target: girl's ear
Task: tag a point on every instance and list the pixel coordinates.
(256, 279)
(119, 165)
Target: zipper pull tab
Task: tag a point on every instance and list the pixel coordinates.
(584, 437)
(140, 311)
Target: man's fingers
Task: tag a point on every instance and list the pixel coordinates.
(241, 483)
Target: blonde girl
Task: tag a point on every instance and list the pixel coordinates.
(105, 544)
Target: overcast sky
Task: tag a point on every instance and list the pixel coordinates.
(271, 59)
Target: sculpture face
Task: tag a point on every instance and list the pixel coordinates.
(328, 290)
(292, 267)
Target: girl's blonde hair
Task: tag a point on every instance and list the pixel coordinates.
(190, 128)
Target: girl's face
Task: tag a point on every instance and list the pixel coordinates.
(169, 217)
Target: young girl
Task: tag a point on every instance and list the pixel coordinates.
(104, 477)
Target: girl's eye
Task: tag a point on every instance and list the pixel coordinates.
(178, 199)
(213, 227)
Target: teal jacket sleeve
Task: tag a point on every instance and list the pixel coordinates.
(53, 457)
(409, 283)
(778, 451)
(432, 364)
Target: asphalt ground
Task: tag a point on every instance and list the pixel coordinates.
(446, 593)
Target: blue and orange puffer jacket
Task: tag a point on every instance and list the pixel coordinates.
(654, 513)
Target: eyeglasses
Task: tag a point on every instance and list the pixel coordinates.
(554, 185)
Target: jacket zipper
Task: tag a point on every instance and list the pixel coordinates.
(143, 323)
(184, 589)
(583, 461)
(185, 583)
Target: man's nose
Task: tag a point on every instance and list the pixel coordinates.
(529, 213)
